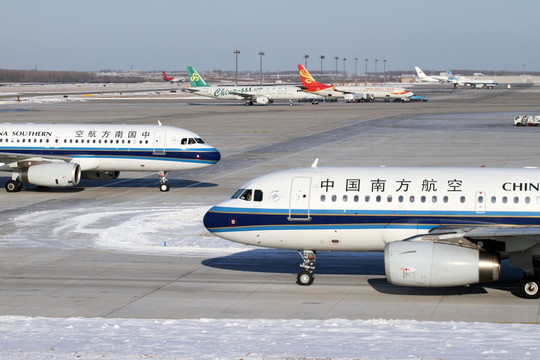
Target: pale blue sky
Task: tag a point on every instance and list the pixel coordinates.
(169, 35)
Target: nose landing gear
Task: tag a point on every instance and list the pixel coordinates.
(163, 186)
(306, 277)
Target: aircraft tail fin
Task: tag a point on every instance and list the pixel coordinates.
(420, 73)
(195, 79)
(308, 81)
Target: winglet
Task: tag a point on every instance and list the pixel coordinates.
(315, 163)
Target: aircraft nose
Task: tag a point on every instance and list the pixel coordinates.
(213, 155)
(213, 219)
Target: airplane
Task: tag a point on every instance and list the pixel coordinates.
(378, 92)
(437, 226)
(432, 78)
(59, 155)
(172, 79)
(250, 94)
(463, 81)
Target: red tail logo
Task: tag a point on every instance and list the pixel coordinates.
(308, 81)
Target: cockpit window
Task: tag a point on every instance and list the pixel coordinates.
(199, 141)
(237, 194)
(184, 141)
(246, 195)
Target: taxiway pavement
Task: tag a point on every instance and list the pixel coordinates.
(455, 128)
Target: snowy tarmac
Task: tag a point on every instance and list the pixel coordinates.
(131, 265)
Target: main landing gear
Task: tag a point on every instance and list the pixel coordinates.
(13, 186)
(305, 277)
(163, 186)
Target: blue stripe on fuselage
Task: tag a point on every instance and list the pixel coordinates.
(219, 219)
(203, 155)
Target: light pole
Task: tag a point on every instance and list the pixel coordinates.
(384, 61)
(374, 82)
(322, 58)
(305, 60)
(236, 52)
(344, 73)
(336, 58)
(365, 72)
(355, 62)
(261, 54)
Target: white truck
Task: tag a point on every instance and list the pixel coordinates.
(527, 120)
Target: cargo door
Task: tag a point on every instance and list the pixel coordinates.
(299, 207)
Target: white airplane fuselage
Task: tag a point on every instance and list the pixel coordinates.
(100, 148)
(436, 226)
(362, 209)
(255, 92)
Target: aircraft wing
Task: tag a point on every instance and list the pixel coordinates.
(516, 238)
(242, 94)
(10, 158)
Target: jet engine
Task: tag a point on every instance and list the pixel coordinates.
(263, 100)
(100, 175)
(433, 264)
(52, 174)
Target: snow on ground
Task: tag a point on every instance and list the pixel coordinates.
(156, 230)
(77, 338)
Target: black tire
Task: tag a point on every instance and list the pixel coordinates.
(13, 186)
(305, 278)
(164, 187)
(529, 287)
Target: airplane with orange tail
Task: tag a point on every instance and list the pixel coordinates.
(172, 79)
(310, 85)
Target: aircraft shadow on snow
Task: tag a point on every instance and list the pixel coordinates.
(342, 263)
(118, 183)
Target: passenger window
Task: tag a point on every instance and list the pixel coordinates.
(356, 198)
(423, 199)
(493, 199)
(334, 198)
(445, 199)
(462, 199)
(434, 199)
(367, 198)
(378, 198)
(258, 195)
(345, 198)
(516, 200)
(411, 199)
(323, 198)
(504, 199)
(527, 200)
(400, 198)
(389, 198)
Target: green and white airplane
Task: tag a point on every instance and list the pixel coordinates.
(249, 93)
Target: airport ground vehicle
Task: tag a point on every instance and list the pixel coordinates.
(527, 120)
(418, 98)
(349, 98)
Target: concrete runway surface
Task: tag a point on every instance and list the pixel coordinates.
(67, 275)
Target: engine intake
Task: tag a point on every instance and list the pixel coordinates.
(432, 264)
(52, 174)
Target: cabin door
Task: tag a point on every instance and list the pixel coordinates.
(299, 200)
(159, 142)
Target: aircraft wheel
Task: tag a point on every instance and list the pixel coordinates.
(529, 287)
(13, 186)
(305, 278)
(164, 187)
